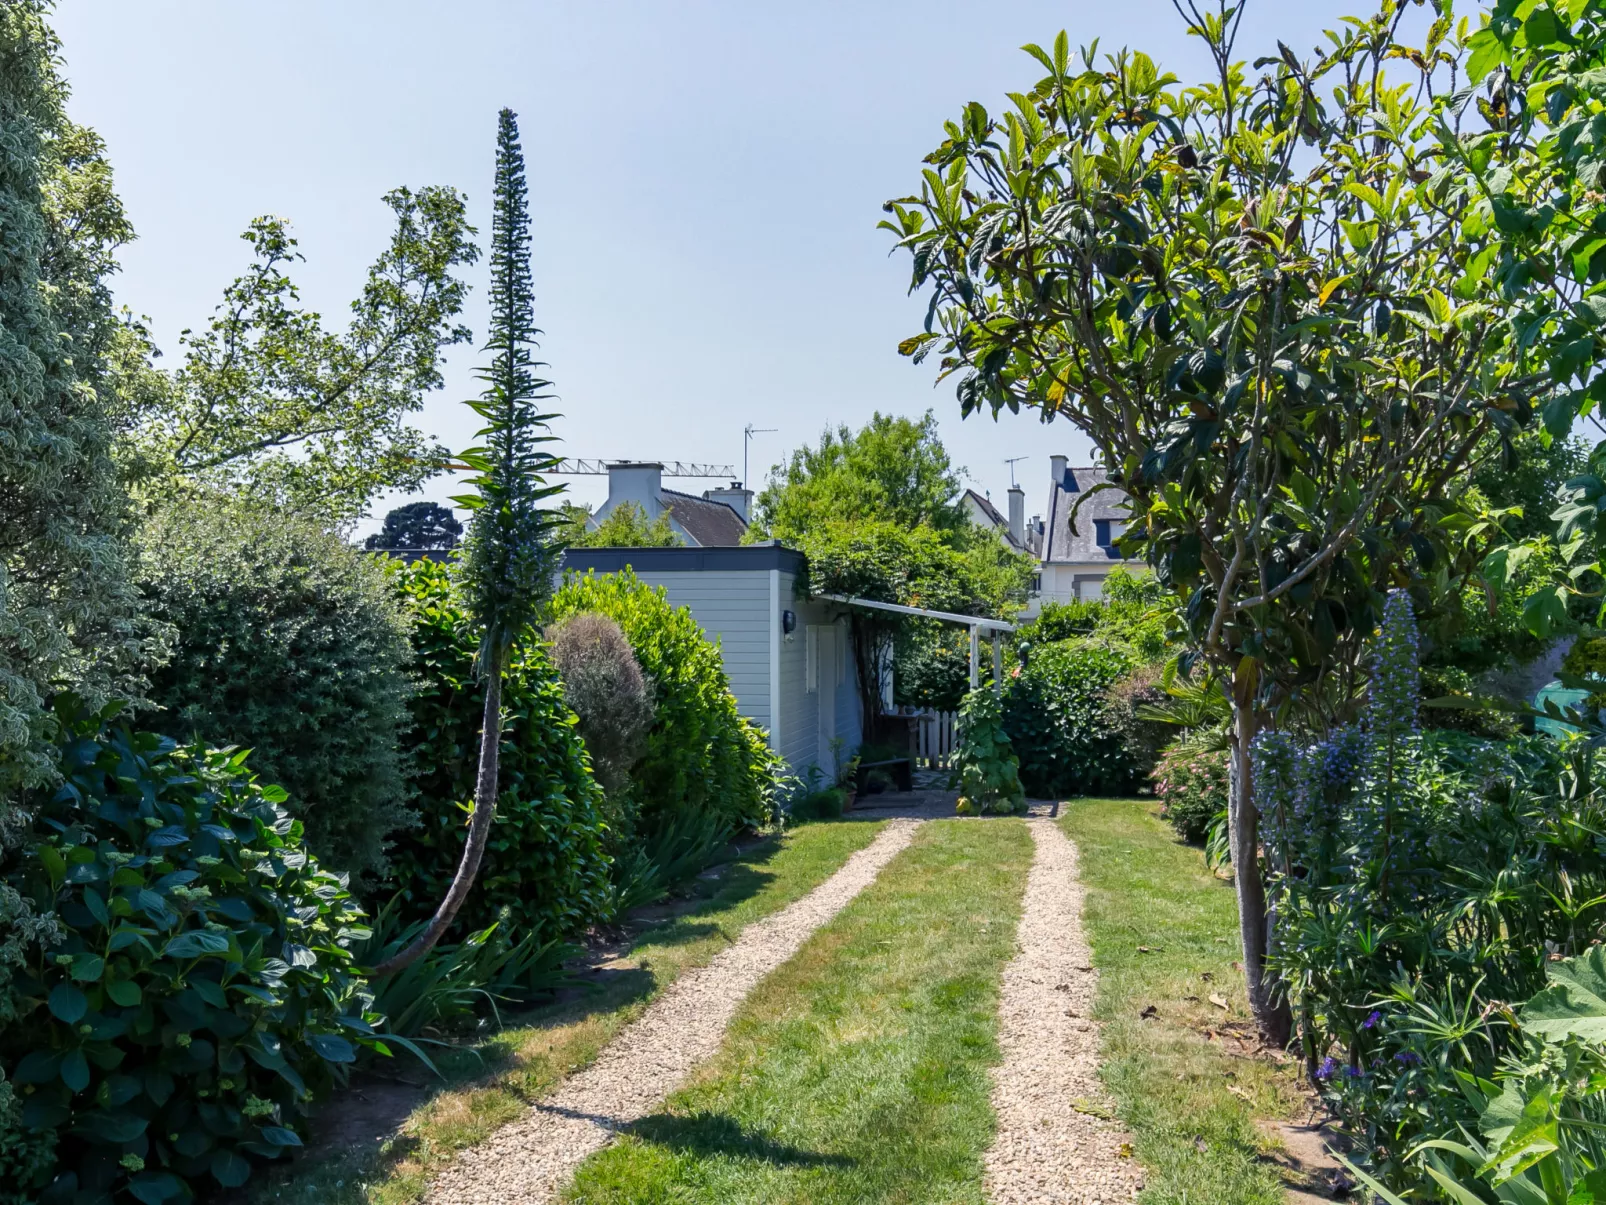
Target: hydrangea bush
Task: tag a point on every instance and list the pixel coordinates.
(200, 992)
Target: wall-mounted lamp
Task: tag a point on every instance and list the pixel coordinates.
(788, 622)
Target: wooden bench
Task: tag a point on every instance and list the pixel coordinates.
(900, 768)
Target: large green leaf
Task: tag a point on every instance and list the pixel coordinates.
(1574, 1005)
(68, 1004)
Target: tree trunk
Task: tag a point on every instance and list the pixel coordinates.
(1269, 1005)
(479, 829)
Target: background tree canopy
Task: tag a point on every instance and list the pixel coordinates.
(271, 403)
(422, 525)
(893, 470)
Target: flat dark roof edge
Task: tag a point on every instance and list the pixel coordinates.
(746, 557)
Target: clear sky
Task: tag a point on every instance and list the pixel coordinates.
(706, 178)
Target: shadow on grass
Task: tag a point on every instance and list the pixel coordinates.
(369, 1143)
(717, 1134)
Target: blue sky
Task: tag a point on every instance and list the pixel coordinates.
(706, 178)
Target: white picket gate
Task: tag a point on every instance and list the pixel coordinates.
(936, 739)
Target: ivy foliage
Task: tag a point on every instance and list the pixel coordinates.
(702, 755)
(544, 870)
(200, 993)
(289, 642)
(984, 761)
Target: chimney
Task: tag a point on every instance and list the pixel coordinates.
(1017, 515)
(1056, 471)
(734, 496)
(641, 482)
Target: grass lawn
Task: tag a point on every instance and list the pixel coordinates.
(487, 1089)
(1190, 1102)
(858, 1072)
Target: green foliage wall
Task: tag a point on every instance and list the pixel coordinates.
(544, 869)
(1057, 717)
(200, 992)
(288, 642)
(701, 755)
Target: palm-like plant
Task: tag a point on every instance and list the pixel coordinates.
(509, 556)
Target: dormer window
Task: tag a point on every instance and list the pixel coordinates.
(1107, 532)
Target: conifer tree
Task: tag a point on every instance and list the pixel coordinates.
(67, 610)
(508, 558)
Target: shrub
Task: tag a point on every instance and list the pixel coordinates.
(603, 683)
(545, 870)
(701, 755)
(1056, 716)
(987, 770)
(1190, 781)
(1423, 881)
(290, 643)
(202, 990)
(1142, 737)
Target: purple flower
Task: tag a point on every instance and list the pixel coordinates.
(1372, 1020)
(1353, 1073)
(1325, 1071)
(1409, 1057)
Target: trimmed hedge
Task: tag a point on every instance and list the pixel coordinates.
(1060, 724)
(701, 754)
(288, 642)
(545, 869)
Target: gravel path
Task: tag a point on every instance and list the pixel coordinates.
(532, 1159)
(1054, 1145)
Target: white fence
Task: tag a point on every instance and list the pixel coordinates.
(936, 739)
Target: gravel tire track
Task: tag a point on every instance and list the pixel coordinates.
(1054, 1144)
(532, 1159)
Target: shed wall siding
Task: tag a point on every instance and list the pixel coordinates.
(732, 608)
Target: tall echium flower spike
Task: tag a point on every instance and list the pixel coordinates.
(1274, 763)
(1396, 678)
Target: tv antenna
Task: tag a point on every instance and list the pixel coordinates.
(747, 437)
(1010, 461)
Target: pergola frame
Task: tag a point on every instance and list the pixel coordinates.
(976, 623)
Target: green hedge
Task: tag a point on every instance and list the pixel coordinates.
(544, 868)
(1060, 723)
(201, 992)
(702, 755)
(288, 642)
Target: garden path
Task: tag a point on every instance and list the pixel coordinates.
(531, 1160)
(1055, 1144)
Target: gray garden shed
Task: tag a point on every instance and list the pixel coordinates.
(789, 661)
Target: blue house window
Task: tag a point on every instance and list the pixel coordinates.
(1106, 532)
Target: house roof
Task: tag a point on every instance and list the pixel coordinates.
(985, 504)
(984, 508)
(1082, 545)
(712, 524)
